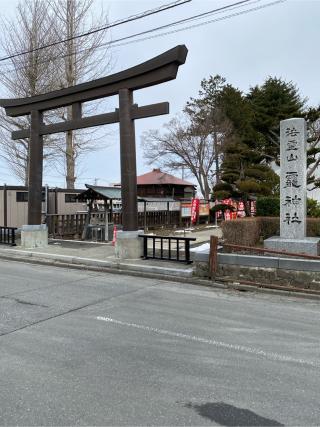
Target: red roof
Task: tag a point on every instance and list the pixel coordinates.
(157, 177)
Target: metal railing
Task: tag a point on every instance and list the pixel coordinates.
(167, 248)
(269, 251)
(8, 236)
(215, 246)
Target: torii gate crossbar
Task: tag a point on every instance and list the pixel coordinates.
(157, 70)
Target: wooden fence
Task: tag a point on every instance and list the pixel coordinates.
(72, 225)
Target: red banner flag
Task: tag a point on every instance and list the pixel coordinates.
(194, 210)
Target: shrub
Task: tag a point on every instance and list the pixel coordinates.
(268, 206)
(269, 226)
(249, 231)
(245, 231)
(313, 227)
(313, 208)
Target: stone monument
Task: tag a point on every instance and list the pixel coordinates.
(293, 191)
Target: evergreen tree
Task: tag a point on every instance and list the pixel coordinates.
(313, 151)
(278, 100)
(245, 171)
(272, 102)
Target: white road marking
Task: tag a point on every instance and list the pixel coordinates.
(268, 355)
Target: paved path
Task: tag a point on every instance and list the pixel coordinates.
(94, 256)
(102, 255)
(81, 348)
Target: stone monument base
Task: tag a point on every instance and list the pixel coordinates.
(34, 236)
(307, 245)
(129, 245)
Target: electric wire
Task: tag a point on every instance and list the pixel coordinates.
(190, 19)
(112, 25)
(196, 25)
(113, 43)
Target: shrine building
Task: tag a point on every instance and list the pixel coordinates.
(160, 184)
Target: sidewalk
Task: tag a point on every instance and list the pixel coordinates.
(94, 255)
(203, 235)
(100, 257)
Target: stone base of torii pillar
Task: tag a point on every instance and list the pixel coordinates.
(34, 236)
(128, 245)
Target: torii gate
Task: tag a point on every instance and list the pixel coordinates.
(157, 70)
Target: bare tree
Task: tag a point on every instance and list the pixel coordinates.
(26, 75)
(184, 145)
(207, 111)
(39, 23)
(81, 59)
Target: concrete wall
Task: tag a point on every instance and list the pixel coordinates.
(65, 208)
(1, 208)
(17, 211)
(301, 273)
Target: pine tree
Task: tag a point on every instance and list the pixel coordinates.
(245, 171)
(272, 102)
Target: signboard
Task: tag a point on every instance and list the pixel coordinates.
(159, 206)
(185, 209)
(204, 209)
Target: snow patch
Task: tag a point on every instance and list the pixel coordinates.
(201, 248)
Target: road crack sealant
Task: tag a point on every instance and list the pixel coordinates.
(235, 347)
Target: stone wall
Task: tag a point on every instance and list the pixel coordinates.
(301, 273)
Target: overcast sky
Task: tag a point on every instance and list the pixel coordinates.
(280, 40)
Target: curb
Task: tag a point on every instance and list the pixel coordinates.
(262, 288)
(94, 264)
(151, 272)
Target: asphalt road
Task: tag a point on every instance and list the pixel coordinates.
(84, 348)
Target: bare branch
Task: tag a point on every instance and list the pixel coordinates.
(184, 145)
(38, 23)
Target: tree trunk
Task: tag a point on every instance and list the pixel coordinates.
(206, 189)
(71, 80)
(216, 152)
(70, 160)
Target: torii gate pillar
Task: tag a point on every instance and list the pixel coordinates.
(128, 161)
(157, 70)
(35, 167)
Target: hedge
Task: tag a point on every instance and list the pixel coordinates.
(250, 231)
(245, 231)
(269, 226)
(268, 206)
